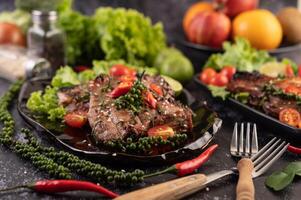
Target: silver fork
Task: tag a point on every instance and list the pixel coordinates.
(182, 187)
(246, 145)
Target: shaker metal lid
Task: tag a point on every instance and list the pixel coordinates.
(38, 15)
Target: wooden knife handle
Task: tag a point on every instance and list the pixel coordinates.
(245, 187)
(175, 189)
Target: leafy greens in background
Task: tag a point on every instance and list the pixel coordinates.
(281, 179)
(128, 35)
(241, 55)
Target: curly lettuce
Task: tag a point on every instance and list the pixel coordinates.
(241, 55)
(46, 104)
(128, 35)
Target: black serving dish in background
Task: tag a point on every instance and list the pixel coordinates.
(292, 134)
(199, 54)
(207, 126)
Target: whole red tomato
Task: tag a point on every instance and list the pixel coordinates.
(219, 80)
(228, 71)
(11, 34)
(207, 75)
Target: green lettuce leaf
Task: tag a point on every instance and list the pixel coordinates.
(128, 35)
(239, 54)
(218, 91)
(64, 77)
(46, 104)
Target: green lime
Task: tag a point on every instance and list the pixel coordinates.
(174, 84)
(273, 69)
(171, 62)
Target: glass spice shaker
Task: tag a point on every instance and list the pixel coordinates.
(46, 40)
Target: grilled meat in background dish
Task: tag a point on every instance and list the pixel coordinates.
(108, 122)
(270, 102)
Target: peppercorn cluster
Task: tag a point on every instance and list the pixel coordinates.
(146, 145)
(59, 164)
(132, 100)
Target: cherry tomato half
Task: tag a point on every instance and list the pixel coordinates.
(75, 120)
(150, 99)
(121, 89)
(163, 130)
(290, 116)
(293, 90)
(289, 72)
(120, 70)
(207, 75)
(228, 71)
(219, 80)
(156, 89)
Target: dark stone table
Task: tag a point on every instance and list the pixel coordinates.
(15, 171)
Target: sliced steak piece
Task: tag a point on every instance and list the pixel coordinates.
(252, 83)
(275, 104)
(75, 99)
(109, 123)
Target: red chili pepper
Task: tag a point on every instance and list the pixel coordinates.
(189, 166)
(156, 89)
(121, 89)
(57, 186)
(294, 149)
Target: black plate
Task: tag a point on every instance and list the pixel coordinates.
(272, 123)
(208, 126)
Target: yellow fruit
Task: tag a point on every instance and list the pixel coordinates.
(260, 27)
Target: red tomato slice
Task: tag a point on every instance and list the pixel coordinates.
(293, 90)
(156, 89)
(150, 99)
(228, 71)
(219, 80)
(163, 130)
(75, 120)
(120, 70)
(289, 72)
(290, 116)
(121, 89)
(207, 75)
(126, 78)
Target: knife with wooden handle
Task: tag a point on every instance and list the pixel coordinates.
(175, 189)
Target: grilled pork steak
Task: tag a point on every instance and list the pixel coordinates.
(75, 99)
(109, 123)
(252, 83)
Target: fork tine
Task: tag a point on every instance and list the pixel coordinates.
(254, 157)
(248, 150)
(241, 140)
(270, 162)
(234, 141)
(268, 156)
(254, 148)
(267, 152)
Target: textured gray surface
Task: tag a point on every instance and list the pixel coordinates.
(14, 170)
